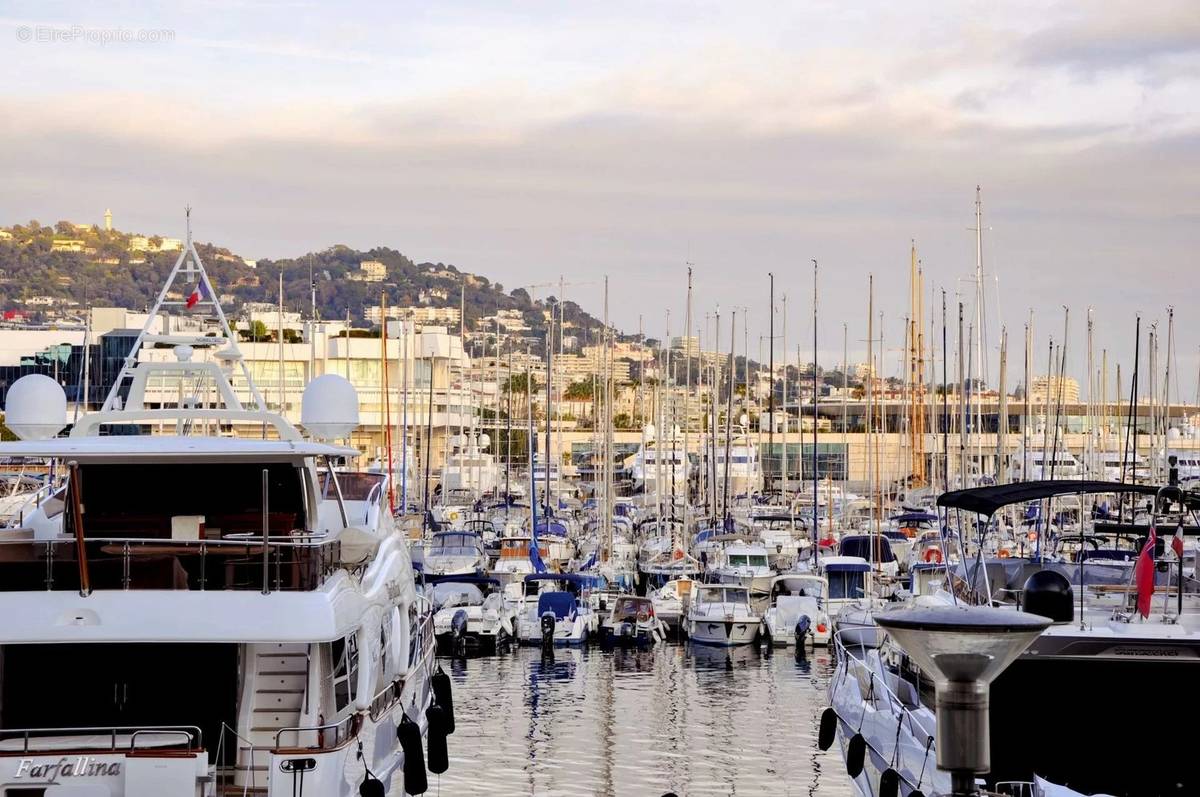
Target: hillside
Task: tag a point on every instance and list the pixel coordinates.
(90, 265)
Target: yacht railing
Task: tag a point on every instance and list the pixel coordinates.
(329, 736)
(332, 735)
(878, 692)
(300, 561)
(193, 737)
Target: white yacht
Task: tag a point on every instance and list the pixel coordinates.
(454, 553)
(1038, 464)
(661, 462)
(795, 597)
(744, 564)
(1113, 466)
(191, 613)
(744, 471)
(469, 467)
(720, 614)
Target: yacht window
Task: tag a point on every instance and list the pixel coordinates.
(414, 636)
(846, 585)
(345, 670)
(355, 486)
(737, 560)
(127, 500)
(758, 560)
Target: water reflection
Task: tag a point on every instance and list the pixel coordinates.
(689, 719)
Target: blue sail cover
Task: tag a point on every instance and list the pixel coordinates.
(535, 555)
(554, 528)
(561, 603)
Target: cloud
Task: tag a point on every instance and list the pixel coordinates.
(523, 148)
(1117, 35)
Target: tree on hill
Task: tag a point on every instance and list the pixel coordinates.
(517, 384)
(578, 391)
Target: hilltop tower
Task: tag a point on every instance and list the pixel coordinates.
(108, 220)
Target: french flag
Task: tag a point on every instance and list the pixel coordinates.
(198, 293)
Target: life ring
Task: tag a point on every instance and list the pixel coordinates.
(933, 555)
(1004, 554)
(1031, 536)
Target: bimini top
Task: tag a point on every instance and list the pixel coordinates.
(915, 517)
(155, 447)
(986, 500)
(463, 579)
(578, 579)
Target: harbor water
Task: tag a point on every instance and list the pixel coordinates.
(677, 718)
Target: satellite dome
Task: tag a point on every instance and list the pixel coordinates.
(484, 440)
(650, 430)
(329, 408)
(1174, 433)
(36, 408)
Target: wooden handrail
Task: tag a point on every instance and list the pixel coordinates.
(75, 490)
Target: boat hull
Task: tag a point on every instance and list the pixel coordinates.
(723, 632)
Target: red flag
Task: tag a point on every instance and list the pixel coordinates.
(1177, 543)
(196, 295)
(1143, 573)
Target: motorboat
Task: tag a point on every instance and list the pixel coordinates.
(671, 599)
(555, 609)
(797, 610)
(454, 507)
(744, 564)
(785, 534)
(194, 593)
(720, 614)
(20, 492)
(514, 561)
(1045, 719)
(554, 534)
(454, 553)
(631, 620)
(875, 549)
(471, 613)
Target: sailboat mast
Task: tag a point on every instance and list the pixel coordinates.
(549, 403)
(687, 397)
(280, 340)
(816, 516)
(784, 458)
(386, 417)
(1002, 430)
(729, 419)
(869, 395)
(771, 369)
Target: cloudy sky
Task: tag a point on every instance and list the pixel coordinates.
(527, 140)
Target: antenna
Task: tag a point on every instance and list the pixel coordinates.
(190, 268)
